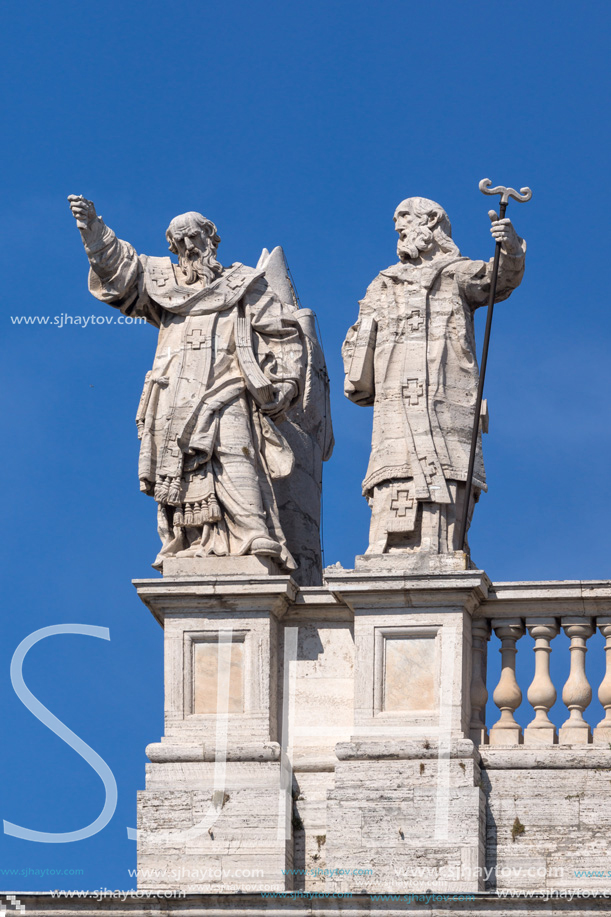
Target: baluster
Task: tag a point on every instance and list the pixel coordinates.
(602, 733)
(507, 695)
(479, 694)
(577, 692)
(541, 693)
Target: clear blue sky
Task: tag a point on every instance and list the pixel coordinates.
(301, 124)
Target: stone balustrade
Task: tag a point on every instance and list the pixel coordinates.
(542, 693)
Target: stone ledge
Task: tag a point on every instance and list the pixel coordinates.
(582, 598)
(217, 594)
(395, 588)
(427, 564)
(554, 757)
(482, 904)
(212, 566)
(162, 752)
(403, 750)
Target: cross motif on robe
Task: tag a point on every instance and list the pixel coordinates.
(402, 501)
(430, 470)
(233, 282)
(174, 449)
(414, 320)
(413, 390)
(195, 338)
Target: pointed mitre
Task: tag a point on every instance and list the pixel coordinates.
(278, 277)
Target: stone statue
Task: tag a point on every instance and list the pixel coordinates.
(237, 385)
(412, 356)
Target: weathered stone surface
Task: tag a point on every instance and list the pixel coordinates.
(212, 566)
(409, 681)
(206, 665)
(385, 800)
(547, 828)
(186, 820)
(386, 815)
(412, 563)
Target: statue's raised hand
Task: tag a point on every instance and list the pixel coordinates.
(82, 210)
(503, 232)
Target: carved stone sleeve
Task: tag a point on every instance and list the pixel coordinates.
(358, 351)
(114, 264)
(474, 278)
(115, 273)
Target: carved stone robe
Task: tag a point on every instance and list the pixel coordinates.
(220, 351)
(411, 354)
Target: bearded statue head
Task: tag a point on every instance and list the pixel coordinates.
(195, 240)
(423, 226)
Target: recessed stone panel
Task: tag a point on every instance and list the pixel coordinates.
(206, 676)
(409, 674)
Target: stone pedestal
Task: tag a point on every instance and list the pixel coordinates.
(209, 818)
(318, 738)
(324, 728)
(407, 803)
(408, 816)
(412, 563)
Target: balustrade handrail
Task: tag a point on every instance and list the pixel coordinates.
(580, 598)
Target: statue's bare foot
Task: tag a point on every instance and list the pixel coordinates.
(266, 546)
(189, 552)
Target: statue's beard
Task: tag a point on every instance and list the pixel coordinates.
(199, 266)
(409, 248)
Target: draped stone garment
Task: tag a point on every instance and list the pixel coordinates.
(416, 326)
(225, 344)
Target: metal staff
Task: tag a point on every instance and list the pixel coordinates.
(523, 195)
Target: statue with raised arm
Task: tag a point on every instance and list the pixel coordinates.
(238, 381)
(411, 355)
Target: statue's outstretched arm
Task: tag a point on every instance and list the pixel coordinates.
(474, 277)
(114, 264)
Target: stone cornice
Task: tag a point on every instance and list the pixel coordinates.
(362, 591)
(301, 904)
(578, 598)
(217, 595)
(347, 591)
